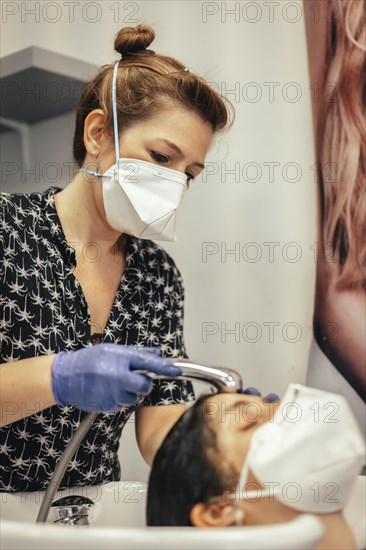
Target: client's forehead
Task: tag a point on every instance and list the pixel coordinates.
(216, 405)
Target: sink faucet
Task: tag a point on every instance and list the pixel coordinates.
(71, 510)
(221, 378)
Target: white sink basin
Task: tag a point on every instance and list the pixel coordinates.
(118, 521)
(117, 504)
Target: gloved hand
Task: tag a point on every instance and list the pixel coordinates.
(101, 377)
(270, 398)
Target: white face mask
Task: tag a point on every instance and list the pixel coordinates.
(140, 198)
(309, 455)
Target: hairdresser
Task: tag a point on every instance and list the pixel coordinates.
(87, 298)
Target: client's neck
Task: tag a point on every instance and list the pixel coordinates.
(337, 533)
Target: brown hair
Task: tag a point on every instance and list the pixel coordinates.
(144, 88)
(342, 141)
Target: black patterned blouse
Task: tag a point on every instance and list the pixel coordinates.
(43, 311)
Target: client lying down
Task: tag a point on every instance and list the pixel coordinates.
(234, 459)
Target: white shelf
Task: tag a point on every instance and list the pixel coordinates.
(37, 84)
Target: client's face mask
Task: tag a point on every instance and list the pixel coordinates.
(140, 198)
(309, 455)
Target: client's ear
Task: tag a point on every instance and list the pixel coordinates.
(218, 514)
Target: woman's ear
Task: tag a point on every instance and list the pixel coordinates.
(218, 514)
(94, 128)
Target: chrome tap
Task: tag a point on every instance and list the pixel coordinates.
(71, 511)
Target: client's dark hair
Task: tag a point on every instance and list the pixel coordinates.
(184, 470)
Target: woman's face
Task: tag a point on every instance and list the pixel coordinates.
(235, 417)
(176, 138)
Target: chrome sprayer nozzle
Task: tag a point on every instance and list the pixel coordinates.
(220, 377)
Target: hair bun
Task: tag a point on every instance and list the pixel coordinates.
(133, 39)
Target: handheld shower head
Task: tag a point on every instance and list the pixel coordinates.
(222, 378)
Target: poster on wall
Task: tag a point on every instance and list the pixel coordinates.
(336, 45)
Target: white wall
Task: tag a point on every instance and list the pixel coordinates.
(229, 51)
(51, 162)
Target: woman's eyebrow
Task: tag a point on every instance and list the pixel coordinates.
(239, 403)
(177, 150)
(244, 402)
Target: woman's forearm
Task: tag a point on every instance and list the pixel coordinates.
(25, 388)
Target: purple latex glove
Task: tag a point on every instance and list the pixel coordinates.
(270, 398)
(101, 377)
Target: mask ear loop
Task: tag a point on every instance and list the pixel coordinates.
(115, 123)
(243, 479)
(238, 515)
(240, 494)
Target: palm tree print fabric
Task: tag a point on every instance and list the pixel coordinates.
(43, 311)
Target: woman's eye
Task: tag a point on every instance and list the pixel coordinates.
(158, 157)
(162, 158)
